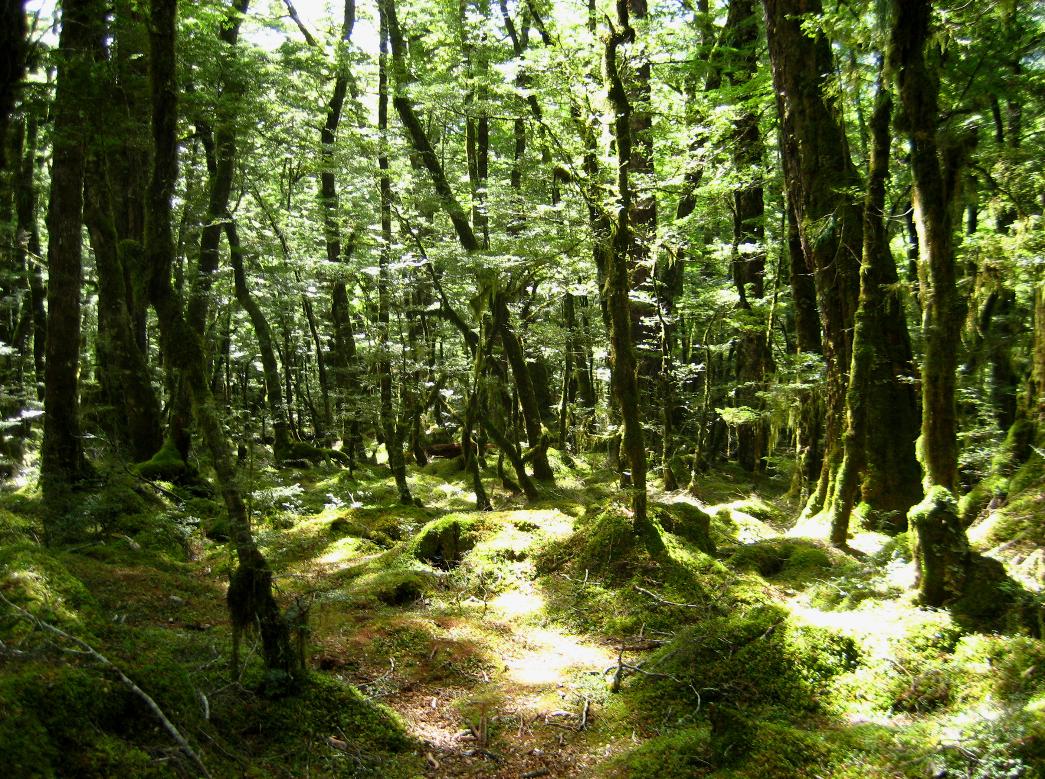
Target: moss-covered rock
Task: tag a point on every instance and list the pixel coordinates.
(443, 542)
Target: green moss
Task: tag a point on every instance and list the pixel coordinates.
(395, 586)
(795, 558)
(779, 751)
(682, 753)
(36, 579)
(749, 658)
(973, 503)
(165, 465)
(443, 542)
(295, 732)
(603, 545)
(304, 452)
(686, 521)
(68, 721)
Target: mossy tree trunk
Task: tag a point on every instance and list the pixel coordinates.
(941, 551)
(817, 173)
(12, 63)
(220, 149)
(739, 38)
(617, 286)
(821, 181)
(250, 596)
(62, 463)
(390, 423)
(934, 187)
(343, 356)
(263, 333)
(875, 253)
(531, 413)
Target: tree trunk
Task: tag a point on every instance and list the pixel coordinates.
(616, 287)
(934, 194)
(820, 180)
(270, 368)
(875, 254)
(389, 421)
(62, 462)
(250, 598)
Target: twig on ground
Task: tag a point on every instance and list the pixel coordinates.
(667, 602)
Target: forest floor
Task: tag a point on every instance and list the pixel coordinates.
(540, 639)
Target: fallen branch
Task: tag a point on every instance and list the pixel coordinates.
(179, 739)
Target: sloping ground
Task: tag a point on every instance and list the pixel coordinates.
(539, 640)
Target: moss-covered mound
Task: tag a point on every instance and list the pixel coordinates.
(165, 465)
(688, 522)
(785, 557)
(749, 658)
(443, 542)
(329, 729)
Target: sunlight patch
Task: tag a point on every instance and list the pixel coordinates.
(516, 603)
(550, 655)
(340, 551)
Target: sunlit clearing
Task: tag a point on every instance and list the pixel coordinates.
(548, 657)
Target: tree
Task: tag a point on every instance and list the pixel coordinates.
(63, 463)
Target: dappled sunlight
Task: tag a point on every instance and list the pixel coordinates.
(548, 656)
(342, 551)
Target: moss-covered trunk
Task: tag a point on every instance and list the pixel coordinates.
(875, 253)
(250, 596)
(263, 333)
(62, 462)
(390, 422)
(616, 287)
(531, 412)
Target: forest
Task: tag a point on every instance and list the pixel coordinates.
(522, 388)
